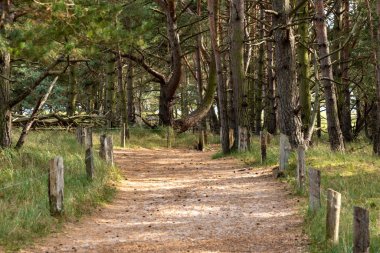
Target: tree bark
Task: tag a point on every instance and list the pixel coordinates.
(72, 91)
(303, 66)
(334, 130)
(222, 98)
(237, 63)
(344, 66)
(375, 36)
(5, 69)
(285, 58)
(270, 118)
(110, 108)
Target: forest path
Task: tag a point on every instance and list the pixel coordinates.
(184, 201)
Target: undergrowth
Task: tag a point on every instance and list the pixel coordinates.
(24, 205)
(355, 174)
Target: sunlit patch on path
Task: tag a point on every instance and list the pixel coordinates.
(183, 201)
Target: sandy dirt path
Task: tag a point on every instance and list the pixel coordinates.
(183, 201)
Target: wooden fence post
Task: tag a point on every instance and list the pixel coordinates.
(110, 150)
(361, 230)
(122, 136)
(81, 135)
(284, 152)
(263, 141)
(243, 139)
(56, 186)
(314, 189)
(103, 147)
(301, 166)
(88, 137)
(89, 160)
(333, 216)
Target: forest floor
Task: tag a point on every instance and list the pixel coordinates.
(183, 201)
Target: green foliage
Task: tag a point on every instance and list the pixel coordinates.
(24, 207)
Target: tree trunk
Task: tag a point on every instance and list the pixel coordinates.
(214, 37)
(237, 63)
(5, 112)
(335, 133)
(260, 77)
(289, 113)
(122, 98)
(5, 72)
(303, 66)
(375, 36)
(40, 103)
(270, 120)
(72, 92)
(130, 100)
(110, 108)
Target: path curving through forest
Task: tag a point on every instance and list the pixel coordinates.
(184, 201)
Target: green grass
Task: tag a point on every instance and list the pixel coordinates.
(24, 207)
(355, 174)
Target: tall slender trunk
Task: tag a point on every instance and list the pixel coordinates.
(345, 89)
(110, 108)
(285, 58)
(5, 72)
(130, 99)
(270, 119)
(304, 67)
(260, 77)
(375, 36)
(334, 130)
(72, 91)
(213, 9)
(237, 19)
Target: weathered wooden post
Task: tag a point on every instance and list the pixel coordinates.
(263, 141)
(285, 149)
(103, 147)
(122, 136)
(81, 135)
(333, 216)
(314, 189)
(106, 148)
(110, 150)
(56, 186)
(88, 137)
(89, 160)
(361, 230)
(243, 139)
(301, 167)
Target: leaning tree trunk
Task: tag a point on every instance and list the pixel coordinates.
(37, 109)
(285, 58)
(237, 63)
(333, 126)
(222, 98)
